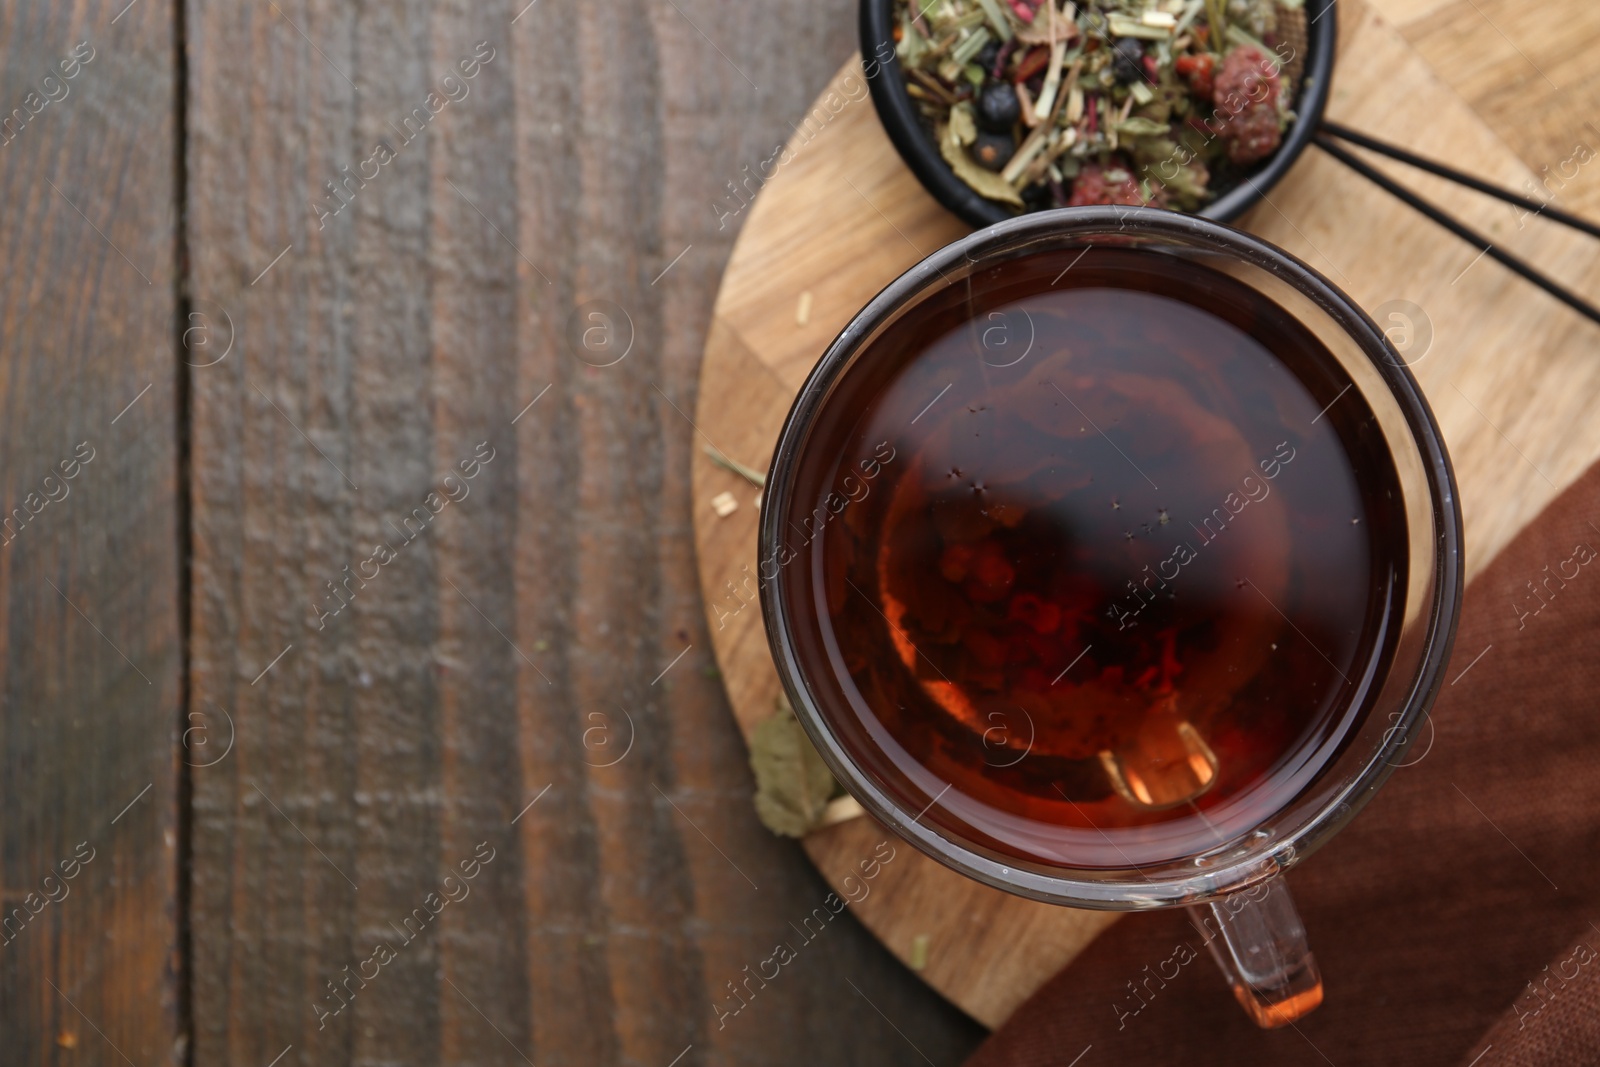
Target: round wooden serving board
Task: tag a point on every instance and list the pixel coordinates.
(843, 216)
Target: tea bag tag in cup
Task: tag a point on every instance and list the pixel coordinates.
(1164, 764)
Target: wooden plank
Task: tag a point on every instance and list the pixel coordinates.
(1528, 72)
(1509, 372)
(477, 687)
(91, 669)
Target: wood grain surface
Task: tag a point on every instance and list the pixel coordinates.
(269, 394)
(89, 537)
(542, 626)
(843, 217)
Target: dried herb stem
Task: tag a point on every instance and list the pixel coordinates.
(754, 477)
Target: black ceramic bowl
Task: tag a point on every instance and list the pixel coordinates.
(916, 146)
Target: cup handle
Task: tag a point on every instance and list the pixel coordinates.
(1258, 940)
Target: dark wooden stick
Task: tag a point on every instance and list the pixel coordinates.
(1466, 233)
(1411, 159)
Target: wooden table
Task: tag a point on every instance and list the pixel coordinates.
(243, 744)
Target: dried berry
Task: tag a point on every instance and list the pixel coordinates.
(1198, 71)
(998, 108)
(1247, 78)
(1105, 185)
(987, 55)
(993, 150)
(1038, 197)
(1252, 134)
(1126, 60)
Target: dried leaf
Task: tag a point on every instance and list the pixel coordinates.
(793, 785)
(985, 183)
(1136, 126)
(912, 42)
(963, 126)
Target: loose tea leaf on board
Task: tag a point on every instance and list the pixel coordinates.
(793, 785)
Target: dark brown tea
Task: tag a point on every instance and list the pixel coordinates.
(1099, 565)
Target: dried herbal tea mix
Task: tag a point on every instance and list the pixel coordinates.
(1165, 103)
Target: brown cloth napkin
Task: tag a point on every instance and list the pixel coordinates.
(1457, 919)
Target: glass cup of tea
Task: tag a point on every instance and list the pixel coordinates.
(1111, 557)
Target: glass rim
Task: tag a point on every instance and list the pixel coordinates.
(1137, 890)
